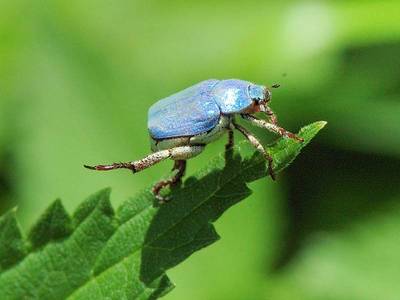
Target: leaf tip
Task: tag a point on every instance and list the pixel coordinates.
(321, 124)
(12, 244)
(309, 131)
(101, 198)
(53, 224)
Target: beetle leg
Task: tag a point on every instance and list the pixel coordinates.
(271, 127)
(256, 143)
(272, 117)
(180, 155)
(229, 145)
(179, 165)
(231, 141)
(177, 153)
(135, 166)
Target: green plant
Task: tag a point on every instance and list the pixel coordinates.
(98, 253)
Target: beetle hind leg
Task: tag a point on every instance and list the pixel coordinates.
(135, 166)
(179, 155)
(180, 167)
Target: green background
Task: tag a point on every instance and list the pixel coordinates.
(77, 79)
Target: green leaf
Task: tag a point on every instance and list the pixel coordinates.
(124, 255)
(54, 223)
(12, 246)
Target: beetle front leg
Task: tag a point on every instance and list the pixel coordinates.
(257, 144)
(271, 115)
(271, 127)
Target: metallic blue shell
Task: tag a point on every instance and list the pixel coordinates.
(197, 109)
(186, 113)
(257, 92)
(232, 95)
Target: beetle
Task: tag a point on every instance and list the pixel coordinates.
(181, 125)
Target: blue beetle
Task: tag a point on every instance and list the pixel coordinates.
(182, 124)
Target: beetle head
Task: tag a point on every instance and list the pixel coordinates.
(261, 96)
(257, 93)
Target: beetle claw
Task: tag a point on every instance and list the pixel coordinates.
(157, 191)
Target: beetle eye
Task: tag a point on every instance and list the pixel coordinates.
(258, 101)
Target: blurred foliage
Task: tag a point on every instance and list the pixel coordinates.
(77, 78)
